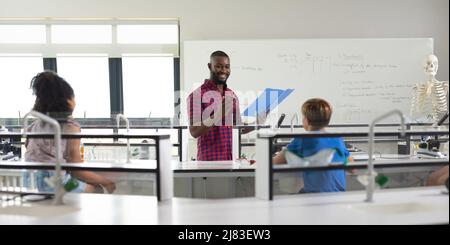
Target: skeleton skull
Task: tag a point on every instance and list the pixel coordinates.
(431, 65)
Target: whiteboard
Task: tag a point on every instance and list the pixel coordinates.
(361, 78)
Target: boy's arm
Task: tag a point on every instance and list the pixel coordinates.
(279, 158)
(352, 170)
(348, 159)
(296, 144)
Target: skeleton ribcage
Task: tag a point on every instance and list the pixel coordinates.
(440, 102)
(429, 100)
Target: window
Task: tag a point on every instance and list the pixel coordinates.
(147, 48)
(81, 34)
(89, 78)
(16, 98)
(148, 86)
(147, 34)
(21, 34)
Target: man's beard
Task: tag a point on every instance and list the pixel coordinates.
(217, 81)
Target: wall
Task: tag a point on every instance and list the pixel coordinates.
(259, 19)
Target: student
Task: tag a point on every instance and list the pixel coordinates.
(316, 116)
(56, 98)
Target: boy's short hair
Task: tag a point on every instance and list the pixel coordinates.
(318, 113)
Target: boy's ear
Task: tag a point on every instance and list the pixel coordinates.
(305, 121)
(209, 66)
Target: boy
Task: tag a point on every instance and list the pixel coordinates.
(316, 116)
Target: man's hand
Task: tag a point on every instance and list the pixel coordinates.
(261, 118)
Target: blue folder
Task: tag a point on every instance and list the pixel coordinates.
(267, 101)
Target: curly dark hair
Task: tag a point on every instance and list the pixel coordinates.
(52, 95)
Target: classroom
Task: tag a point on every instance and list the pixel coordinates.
(205, 112)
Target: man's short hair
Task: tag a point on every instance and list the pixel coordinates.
(219, 53)
(318, 113)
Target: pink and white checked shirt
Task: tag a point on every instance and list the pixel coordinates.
(216, 145)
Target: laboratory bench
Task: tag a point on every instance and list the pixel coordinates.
(160, 167)
(215, 179)
(410, 206)
(266, 148)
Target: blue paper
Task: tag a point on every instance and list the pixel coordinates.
(266, 102)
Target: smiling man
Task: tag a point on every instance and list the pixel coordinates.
(213, 109)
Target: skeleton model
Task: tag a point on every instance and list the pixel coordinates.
(430, 99)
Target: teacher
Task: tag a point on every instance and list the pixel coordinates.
(213, 109)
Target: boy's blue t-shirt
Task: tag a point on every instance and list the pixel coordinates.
(321, 181)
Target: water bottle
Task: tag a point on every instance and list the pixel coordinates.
(71, 184)
(82, 151)
(380, 180)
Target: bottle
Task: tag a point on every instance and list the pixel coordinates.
(82, 151)
(144, 151)
(71, 184)
(380, 180)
